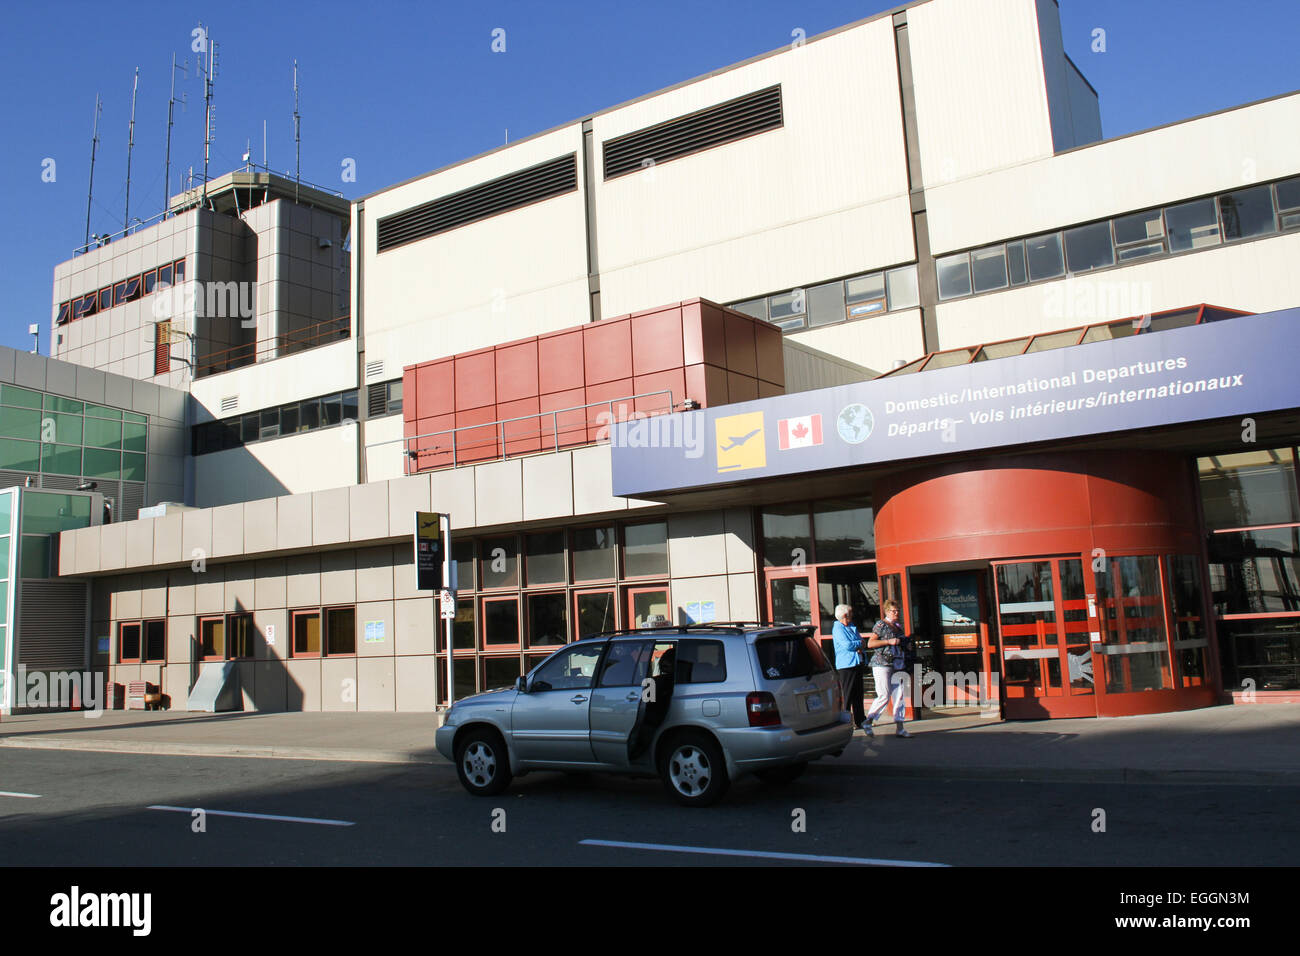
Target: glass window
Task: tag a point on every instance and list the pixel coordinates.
(989, 269)
(903, 292)
(787, 536)
(787, 309)
(133, 467)
(135, 417)
(65, 311)
(851, 584)
(289, 421)
(180, 270)
(155, 640)
(105, 299)
(13, 395)
(101, 463)
(132, 288)
(650, 608)
(19, 455)
(1043, 255)
(341, 630)
(150, 280)
(128, 642)
(626, 664)
(331, 410)
(788, 656)
(309, 415)
(791, 600)
(545, 557)
(134, 437)
(499, 563)
(844, 531)
(954, 276)
(212, 638)
(547, 619)
(1190, 635)
(34, 556)
(395, 396)
(269, 425)
(597, 613)
(55, 403)
(61, 459)
(101, 433)
(1088, 247)
(500, 622)
(1192, 225)
(826, 304)
(350, 412)
(865, 294)
(1288, 194)
(1256, 572)
(240, 634)
(103, 411)
(593, 554)
(572, 669)
(757, 308)
(1247, 212)
(1139, 227)
(462, 552)
(499, 671)
(165, 274)
(20, 423)
(701, 662)
(1264, 651)
(306, 634)
(62, 428)
(250, 426)
(1249, 488)
(119, 293)
(645, 549)
(1130, 615)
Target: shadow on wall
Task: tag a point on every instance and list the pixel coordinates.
(234, 475)
(263, 682)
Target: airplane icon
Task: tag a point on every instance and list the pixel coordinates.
(736, 442)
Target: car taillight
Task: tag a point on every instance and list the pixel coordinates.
(762, 709)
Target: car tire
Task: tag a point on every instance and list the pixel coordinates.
(693, 769)
(782, 775)
(482, 763)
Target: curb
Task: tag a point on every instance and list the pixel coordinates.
(218, 750)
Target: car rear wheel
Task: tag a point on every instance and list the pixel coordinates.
(482, 763)
(693, 770)
(779, 775)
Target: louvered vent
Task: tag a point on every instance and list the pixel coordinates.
(229, 404)
(724, 123)
(10, 478)
(60, 482)
(132, 500)
(374, 369)
(54, 624)
(479, 202)
(377, 400)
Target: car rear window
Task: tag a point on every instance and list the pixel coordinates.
(783, 656)
(701, 662)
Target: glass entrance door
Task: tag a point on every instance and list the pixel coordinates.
(1044, 641)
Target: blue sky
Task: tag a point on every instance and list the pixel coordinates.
(406, 87)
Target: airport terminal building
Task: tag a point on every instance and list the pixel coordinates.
(880, 314)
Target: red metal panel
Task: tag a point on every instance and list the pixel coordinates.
(713, 337)
(742, 356)
(692, 333)
(475, 379)
(432, 452)
(598, 416)
(656, 341)
(768, 389)
(607, 351)
(559, 360)
(516, 371)
(523, 436)
(741, 388)
(410, 401)
(707, 384)
(572, 425)
(476, 444)
(771, 356)
(673, 380)
(435, 388)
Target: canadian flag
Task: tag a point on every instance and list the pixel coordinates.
(800, 432)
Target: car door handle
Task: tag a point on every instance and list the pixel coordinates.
(635, 695)
(578, 699)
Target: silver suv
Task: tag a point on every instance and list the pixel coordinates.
(697, 705)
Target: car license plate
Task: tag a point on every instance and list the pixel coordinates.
(813, 702)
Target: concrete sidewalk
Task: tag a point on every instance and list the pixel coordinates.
(1257, 744)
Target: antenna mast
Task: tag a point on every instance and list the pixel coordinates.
(130, 146)
(209, 116)
(297, 133)
(94, 141)
(167, 163)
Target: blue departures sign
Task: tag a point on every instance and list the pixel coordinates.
(1242, 366)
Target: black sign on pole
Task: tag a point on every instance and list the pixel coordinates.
(428, 551)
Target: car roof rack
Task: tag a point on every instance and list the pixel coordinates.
(688, 628)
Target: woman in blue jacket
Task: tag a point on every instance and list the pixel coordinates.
(848, 662)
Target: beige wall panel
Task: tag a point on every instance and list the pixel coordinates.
(499, 493)
(697, 544)
(228, 531)
(270, 685)
(380, 612)
(293, 521)
(368, 511)
(338, 684)
(414, 626)
(269, 584)
(376, 684)
(329, 516)
(452, 492)
(416, 683)
(548, 486)
(303, 684)
(406, 496)
(261, 522)
(877, 343)
(375, 574)
(302, 578)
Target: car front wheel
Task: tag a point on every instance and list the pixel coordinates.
(693, 770)
(482, 763)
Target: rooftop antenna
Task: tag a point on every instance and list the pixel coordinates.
(264, 166)
(94, 141)
(209, 121)
(130, 146)
(297, 133)
(167, 163)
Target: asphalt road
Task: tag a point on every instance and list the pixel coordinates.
(94, 809)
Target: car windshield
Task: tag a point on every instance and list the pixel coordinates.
(783, 656)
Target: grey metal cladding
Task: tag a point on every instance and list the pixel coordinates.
(523, 188)
(727, 122)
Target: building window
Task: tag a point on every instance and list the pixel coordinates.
(1089, 247)
(141, 642)
(162, 356)
(239, 636)
(827, 303)
(383, 398)
(1246, 213)
(340, 636)
(306, 633)
(954, 275)
(212, 638)
(270, 423)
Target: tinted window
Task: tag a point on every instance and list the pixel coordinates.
(790, 655)
(954, 276)
(989, 269)
(701, 662)
(626, 664)
(1044, 256)
(1088, 247)
(902, 288)
(1247, 212)
(1192, 225)
(568, 670)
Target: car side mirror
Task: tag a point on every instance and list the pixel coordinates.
(521, 684)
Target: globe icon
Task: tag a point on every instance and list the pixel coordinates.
(855, 423)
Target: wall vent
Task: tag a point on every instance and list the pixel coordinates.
(727, 122)
(375, 369)
(229, 404)
(552, 178)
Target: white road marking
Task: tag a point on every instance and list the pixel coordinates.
(259, 816)
(12, 793)
(719, 851)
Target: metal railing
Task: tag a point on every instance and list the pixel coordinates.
(449, 450)
(275, 346)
